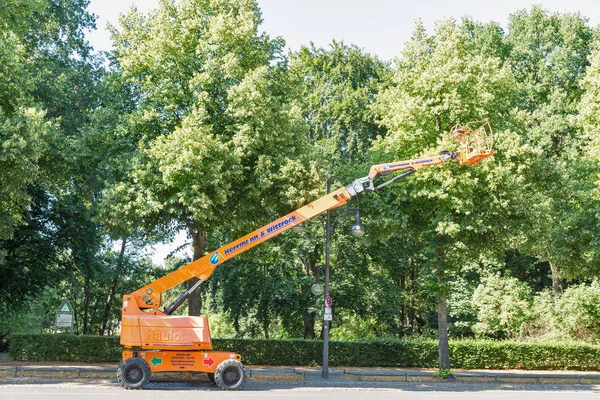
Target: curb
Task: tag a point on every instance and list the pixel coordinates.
(15, 372)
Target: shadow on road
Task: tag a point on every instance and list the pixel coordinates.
(253, 385)
(446, 386)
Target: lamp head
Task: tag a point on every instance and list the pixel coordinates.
(317, 289)
(298, 228)
(358, 229)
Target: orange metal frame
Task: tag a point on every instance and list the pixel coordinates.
(181, 360)
(475, 144)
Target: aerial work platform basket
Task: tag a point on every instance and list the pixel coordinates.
(476, 141)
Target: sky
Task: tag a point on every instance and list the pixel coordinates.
(379, 27)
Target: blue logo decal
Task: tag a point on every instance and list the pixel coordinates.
(386, 167)
(214, 258)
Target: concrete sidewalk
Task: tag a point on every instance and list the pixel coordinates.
(66, 371)
(415, 374)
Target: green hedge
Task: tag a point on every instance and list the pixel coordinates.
(381, 353)
(467, 354)
(62, 347)
(471, 354)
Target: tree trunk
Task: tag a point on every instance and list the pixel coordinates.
(412, 315)
(199, 244)
(75, 321)
(443, 347)
(86, 305)
(94, 312)
(113, 289)
(556, 282)
(265, 327)
(402, 316)
(309, 325)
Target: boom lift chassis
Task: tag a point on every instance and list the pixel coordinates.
(154, 340)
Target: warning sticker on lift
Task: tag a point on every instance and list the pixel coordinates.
(183, 360)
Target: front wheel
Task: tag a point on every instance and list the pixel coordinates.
(230, 375)
(134, 373)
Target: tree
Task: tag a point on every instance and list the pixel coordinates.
(339, 84)
(583, 224)
(24, 133)
(47, 87)
(222, 136)
(32, 255)
(453, 214)
(589, 108)
(548, 56)
(335, 86)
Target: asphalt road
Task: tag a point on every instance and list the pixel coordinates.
(266, 391)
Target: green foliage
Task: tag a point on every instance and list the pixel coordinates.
(438, 82)
(339, 84)
(517, 355)
(24, 134)
(33, 317)
(48, 238)
(578, 312)
(38, 71)
(461, 313)
(31, 255)
(589, 118)
(419, 353)
(549, 55)
(468, 354)
(451, 215)
(65, 347)
(443, 373)
(502, 305)
(506, 308)
(219, 125)
(542, 324)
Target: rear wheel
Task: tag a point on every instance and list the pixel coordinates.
(230, 375)
(119, 372)
(134, 373)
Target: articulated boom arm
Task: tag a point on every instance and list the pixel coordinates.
(475, 145)
(150, 295)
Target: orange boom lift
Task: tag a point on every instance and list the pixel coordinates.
(156, 341)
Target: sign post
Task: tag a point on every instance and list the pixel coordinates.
(64, 316)
(327, 316)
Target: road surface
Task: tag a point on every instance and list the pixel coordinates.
(296, 391)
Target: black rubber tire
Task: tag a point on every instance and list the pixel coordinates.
(230, 375)
(134, 373)
(211, 376)
(119, 380)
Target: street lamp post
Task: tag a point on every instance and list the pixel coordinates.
(358, 229)
(325, 373)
